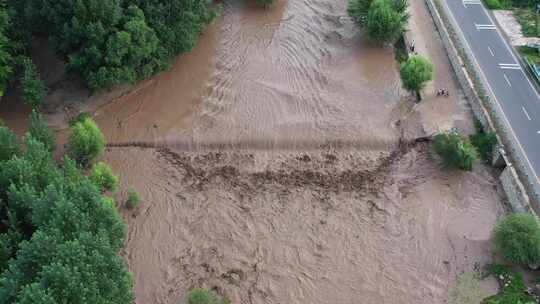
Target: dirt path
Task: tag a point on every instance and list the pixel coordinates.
(437, 113)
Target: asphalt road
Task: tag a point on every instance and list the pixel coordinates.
(507, 82)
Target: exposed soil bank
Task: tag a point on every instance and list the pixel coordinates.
(321, 227)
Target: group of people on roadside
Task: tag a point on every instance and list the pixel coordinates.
(443, 92)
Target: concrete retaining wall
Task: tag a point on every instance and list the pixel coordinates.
(483, 111)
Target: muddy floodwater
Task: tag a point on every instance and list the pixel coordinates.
(320, 227)
(292, 75)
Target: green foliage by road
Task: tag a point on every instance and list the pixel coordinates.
(513, 290)
(454, 150)
(517, 237)
(59, 236)
(86, 141)
(484, 142)
(498, 4)
(415, 73)
(385, 21)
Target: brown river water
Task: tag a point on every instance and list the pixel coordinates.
(293, 75)
(271, 168)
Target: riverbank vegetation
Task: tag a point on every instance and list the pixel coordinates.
(517, 237)
(454, 151)
(415, 73)
(59, 235)
(483, 141)
(513, 289)
(104, 42)
(384, 21)
(205, 296)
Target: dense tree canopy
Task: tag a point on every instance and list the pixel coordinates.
(110, 42)
(384, 20)
(59, 236)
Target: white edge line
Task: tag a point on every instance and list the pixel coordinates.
(507, 80)
(511, 53)
(495, 97)
(526, 114)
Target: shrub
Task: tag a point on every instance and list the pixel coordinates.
(493, 4)
(483, 142)
(86, 142)
(358, 11)
(386, 22)
(517, 237)
(201, 296)
(103, 177)
(40, 131)
(132, 199)
(454, 151)
(415, 73)
(33, 88)
(513, 289)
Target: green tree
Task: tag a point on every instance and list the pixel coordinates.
(86, 141)
(358, 11)
(33, 88)
(8, 143)
(40, 131)
(59, 236)
(454, 151)
(517, 237)
(103, 177)
(111, 42)
(415, 73)
(7, 60)
(385, 22)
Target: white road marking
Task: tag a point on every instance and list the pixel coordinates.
(538, 132)
(507, 81)
(526, 114)
(485, 26)
(510, 66)
(465, 2)
(491, 51)
(491, 90)
(515, 58)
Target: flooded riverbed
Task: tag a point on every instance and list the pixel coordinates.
(321, 227)
(290, 75)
